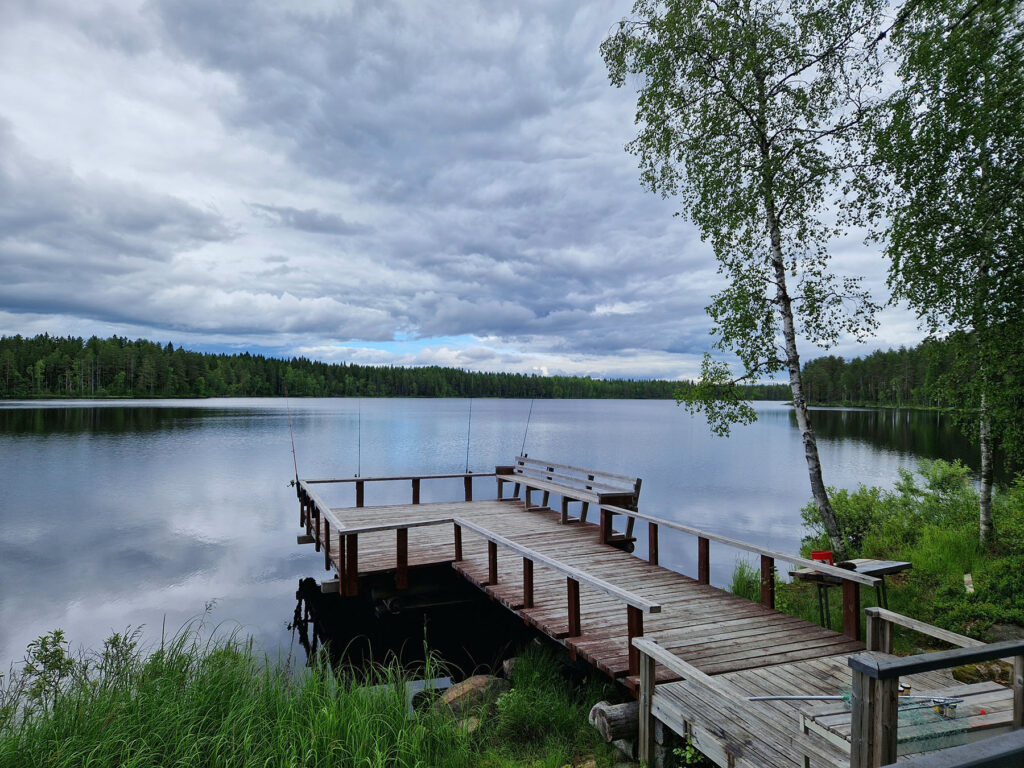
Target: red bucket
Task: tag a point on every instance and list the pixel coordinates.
(823, 556)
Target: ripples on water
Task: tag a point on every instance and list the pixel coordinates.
(141, 513)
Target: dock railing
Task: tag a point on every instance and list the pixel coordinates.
(874, 703)
(316, 515)
(851, 580)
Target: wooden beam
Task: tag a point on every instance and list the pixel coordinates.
(402, 558)
(527, 583)
(352, 564)
(1018, 692)
(492, 563)
(768, 581)
(327, 545)
(458, 542)
(645, 752)
(652, 543)
(929, 662)
(634, 629)
(467, 483)
(606, 526)
(573, 609)
(360, 498)
(851, 610)
(415, 490)
(703, 560)
(304, 539)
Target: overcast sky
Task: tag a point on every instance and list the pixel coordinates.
(400, 183)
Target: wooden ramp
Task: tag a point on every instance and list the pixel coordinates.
(597, 599)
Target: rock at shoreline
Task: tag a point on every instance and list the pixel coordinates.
(473, 692)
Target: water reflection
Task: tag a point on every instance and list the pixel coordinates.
(140, 513)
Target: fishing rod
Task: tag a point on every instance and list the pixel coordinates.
(527, 430)
(291, 432)
(469, 430)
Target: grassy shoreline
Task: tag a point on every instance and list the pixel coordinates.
(195, 701)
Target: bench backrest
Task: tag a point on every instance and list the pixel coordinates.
(577, 477)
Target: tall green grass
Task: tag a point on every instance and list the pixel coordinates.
(217, 702)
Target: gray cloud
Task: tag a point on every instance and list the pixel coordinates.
(307, 176)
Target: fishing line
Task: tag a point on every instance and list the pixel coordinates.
(469, 430)
(291, 432)
(527, 430)
(359, 437)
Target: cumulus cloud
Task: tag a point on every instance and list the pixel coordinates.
(316, 178)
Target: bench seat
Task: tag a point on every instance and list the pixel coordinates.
(573, 484)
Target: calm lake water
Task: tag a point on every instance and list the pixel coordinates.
(147, 513)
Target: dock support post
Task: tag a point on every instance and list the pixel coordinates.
(458, 542)
(327, 545)
(467, 482)
(573, 594)
(359, 493)
(316, 527)
(492, 563)
(565, 511)
(652, 543)
(768, 581)
(606, 525)
(645, 751)
(703, 560)
(527, 583)
(634, 628)
(851, 609)
(352, 564)
(1018, 692)
(873, 721)
(415, 490)
(402, 558)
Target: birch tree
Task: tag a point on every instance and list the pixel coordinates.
(951, 142)
(747, 111)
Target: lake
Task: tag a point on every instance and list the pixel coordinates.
(150, 513)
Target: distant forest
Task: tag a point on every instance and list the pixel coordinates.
(53, 366)
(917, 377)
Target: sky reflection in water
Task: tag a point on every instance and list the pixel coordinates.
(142, 513)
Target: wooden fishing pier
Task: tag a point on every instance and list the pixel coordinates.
(692, 654)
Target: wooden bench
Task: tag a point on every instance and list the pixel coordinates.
(574, 484)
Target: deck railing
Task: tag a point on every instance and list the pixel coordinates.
(851, 580)
(874, 704)
(317, 515)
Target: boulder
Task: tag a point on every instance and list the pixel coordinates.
(462, 699)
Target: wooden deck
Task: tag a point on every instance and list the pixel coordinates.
(545, 571)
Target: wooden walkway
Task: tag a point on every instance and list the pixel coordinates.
(596, 599)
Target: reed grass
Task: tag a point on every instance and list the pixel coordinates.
(196, 701)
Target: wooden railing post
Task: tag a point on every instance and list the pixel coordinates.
(873, 722)
(646, 735)
(527, 583)
(768, 581)
(652, 543)
(316, 528)
(634, 628)
(352, 564)
(458, 542)
(606, 526)
(703, 560)
(467, 483)
(878, 632)
(573, 595)
(415, 490)
(1018, 692)
(327, 544)
(402, 558)
(851, 609)
(359, 493)
(492, 563)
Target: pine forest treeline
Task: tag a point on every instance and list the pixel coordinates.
(924, 376)
(52, 366)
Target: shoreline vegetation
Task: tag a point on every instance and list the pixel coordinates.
(212, 700)
(930, 518)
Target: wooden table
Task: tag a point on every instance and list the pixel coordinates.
(920, 729)
(864, 565)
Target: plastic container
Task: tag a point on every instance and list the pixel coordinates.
(823, 556)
